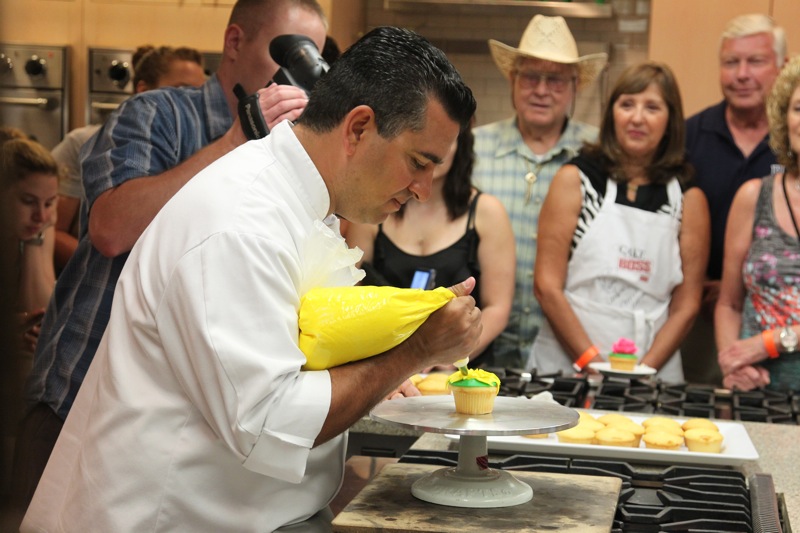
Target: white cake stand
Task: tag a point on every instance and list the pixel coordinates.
(472, 483)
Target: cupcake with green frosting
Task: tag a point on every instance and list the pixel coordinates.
(623, 355)
(474, 393)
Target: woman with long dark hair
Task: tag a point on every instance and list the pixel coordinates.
(623, 236)
(456, 233)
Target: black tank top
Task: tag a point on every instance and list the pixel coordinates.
(453, 264)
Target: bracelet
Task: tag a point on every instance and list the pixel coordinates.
(768, 336)
(590, 353)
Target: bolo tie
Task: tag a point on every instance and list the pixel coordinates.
(530, 178)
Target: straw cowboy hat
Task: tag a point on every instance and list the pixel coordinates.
(548, 38)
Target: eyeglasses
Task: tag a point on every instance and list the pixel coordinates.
(554, 82)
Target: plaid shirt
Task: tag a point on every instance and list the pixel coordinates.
(150, 133)
(503, 161)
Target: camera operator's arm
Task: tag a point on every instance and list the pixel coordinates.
(119, 215)
(281, 102)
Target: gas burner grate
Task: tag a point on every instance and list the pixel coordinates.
(656, 499)
(566, 390)
(653, 396)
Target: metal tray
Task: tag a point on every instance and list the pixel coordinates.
(737, 448)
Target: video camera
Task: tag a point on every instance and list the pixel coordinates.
(301, 64)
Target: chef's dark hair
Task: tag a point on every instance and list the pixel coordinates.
(394, 71)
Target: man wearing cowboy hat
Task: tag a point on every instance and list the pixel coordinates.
(517, 157)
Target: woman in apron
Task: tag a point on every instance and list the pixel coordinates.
(623, 236)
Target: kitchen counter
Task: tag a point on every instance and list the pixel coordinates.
(775, 444)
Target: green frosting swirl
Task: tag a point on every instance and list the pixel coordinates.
(623, 355)
(470, 383)
(475, 377)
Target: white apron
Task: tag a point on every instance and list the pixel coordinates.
(620, 280)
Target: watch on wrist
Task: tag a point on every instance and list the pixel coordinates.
(788, 340)
(36, 241)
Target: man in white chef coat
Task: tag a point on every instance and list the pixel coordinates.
(145, 152)
(196, 414)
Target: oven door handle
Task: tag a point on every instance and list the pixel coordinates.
(104, 106)
(37, 102)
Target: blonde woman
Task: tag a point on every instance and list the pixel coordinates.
(29, 195)
(757, 317)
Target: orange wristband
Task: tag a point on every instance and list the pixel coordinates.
(768, 337)
(585, 357)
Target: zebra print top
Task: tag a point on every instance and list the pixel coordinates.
(594, 174)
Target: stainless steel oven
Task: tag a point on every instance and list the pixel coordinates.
(110, 82)
(33, 90)
(111, 79)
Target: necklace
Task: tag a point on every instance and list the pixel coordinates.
(632, 191)
(789, 205)
(531, 178)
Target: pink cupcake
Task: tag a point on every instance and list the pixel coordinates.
(623, 355)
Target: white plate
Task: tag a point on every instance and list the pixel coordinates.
(737, 447)
(638, 370)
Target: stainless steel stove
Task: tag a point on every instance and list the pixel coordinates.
(660, 499)
(657, 499)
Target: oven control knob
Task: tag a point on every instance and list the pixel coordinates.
(5, 64)
(119, 73)
(36, 66)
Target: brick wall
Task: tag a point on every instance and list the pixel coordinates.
(462, 32)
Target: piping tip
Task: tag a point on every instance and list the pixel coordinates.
(461, 364)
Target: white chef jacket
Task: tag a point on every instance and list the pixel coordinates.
(194, 415)
(620, 280)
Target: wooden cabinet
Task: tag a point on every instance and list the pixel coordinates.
(685, 34)
(787, 13)
(346, 20)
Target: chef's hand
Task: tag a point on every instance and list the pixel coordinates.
(746, 378)
(277, 103)
(405, 390)
(740, 353)
(450, 332)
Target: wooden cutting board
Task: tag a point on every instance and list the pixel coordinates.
(561, 502)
